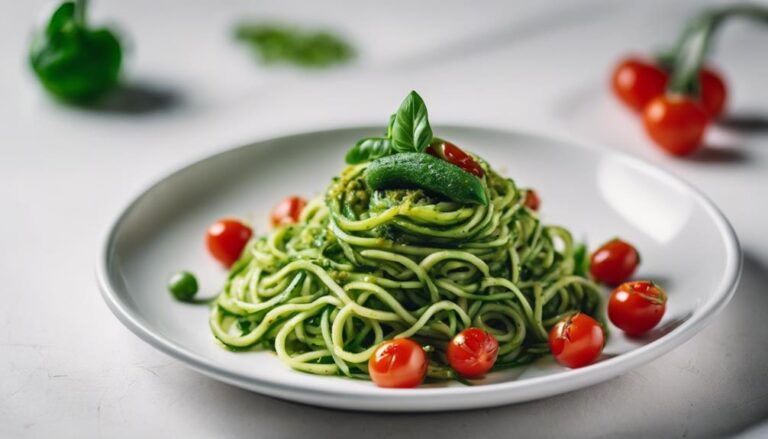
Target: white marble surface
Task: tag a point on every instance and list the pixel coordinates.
(69, 369)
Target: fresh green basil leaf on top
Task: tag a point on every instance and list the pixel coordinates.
(368, 149)
(411, 131)
(408, 131)
(390, 125)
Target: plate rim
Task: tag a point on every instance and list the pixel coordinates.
(504, 392)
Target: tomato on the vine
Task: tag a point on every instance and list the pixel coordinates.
(226, 239)
(287, 211)
(614, 262)
(576, 341)
(636, 82)
(472, 352)
(713, 92)
(399, 363)
(676, 123)
(453, 154)
(636, 307)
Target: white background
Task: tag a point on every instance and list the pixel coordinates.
(69, 369)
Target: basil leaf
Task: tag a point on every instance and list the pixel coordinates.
(411, 131)
(72, 61)
(581, 260)
(391, 124)
(276, 43)
(369, 149)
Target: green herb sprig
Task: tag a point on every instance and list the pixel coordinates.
(411, 131)
(370, 148)
(72, 61)
(408, 131)
(277, 44)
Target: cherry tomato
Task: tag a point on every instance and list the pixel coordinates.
(576, 341)
(226, 239)
(713, 92)
(636, 307)
(614, 262)
(287, 211)
(472, 352)
(398, 363)
(676, 123)
(636, 82)
(532, 200)
(453, 154)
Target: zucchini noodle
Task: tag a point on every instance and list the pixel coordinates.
(364, 266)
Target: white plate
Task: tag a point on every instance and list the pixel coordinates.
(686, 245)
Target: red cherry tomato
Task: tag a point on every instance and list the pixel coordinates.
(576, 341)
(398, 363)
(636, 82)
(614, 262)
(453, 154)
(636, 307)
(226, 239)
(532, 200)
(676, 123)
(287, 211)
(713, 92)
(472, 352)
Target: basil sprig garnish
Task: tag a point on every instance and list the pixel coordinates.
(408, 131)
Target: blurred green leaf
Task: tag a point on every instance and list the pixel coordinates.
(72, 61)
(289, 45)
(369, 149)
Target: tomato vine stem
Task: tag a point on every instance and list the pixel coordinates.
(687, 58)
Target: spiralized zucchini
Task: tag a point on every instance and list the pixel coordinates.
(365, 266)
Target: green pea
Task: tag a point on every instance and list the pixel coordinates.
(183, 286)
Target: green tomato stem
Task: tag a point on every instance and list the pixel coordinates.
(666, 58)
(691, 51)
